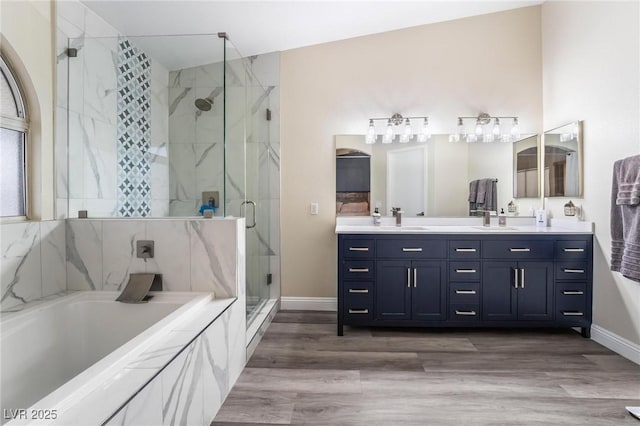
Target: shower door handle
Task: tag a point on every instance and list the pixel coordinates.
(254, 212)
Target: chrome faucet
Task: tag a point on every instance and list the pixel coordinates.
(486, 219)
(398, 217)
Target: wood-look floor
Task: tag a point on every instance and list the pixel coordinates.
(302, 373)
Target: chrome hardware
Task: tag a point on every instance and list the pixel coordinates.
(466, 271)
(574, 250)
(411, 249)
(519, 250)
(573, 271)
(472, 250)
(358, 269)
(522, 277)
(356, 290)
(358, 311)
(408, 277)
(515, 277)
(415, 277)
(465, 292)
(468, 313)
(573, 314)
(254, 212)
(573, 293)
(358, 248)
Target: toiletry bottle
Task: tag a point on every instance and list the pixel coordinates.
(502, 218)
(376, 217)
(541, 218)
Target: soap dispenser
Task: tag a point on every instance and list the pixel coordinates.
(502, 218)
(376, 217)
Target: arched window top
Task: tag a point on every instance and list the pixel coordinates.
(11, 103)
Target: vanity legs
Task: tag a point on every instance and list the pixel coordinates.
(586, 332)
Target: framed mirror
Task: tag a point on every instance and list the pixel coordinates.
(563, 173)
(526, 179)
(424, 179)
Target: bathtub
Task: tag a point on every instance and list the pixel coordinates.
(70, 359)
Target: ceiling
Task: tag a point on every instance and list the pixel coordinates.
(257, 27)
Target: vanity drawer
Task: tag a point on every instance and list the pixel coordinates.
(411, 249)
(358, 292)
(465, 293)
(572, 250)
(357, 249)
(463, 250)
(571, 301)
(517, 249)
(464, 271)
(574, 271)
(464, 312)
(358, 307)
(358, 270)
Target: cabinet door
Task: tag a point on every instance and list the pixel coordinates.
(499, 295)
(393, 289)
(428, 296)
(535, 291)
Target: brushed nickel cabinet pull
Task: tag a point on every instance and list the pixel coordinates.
(573, 293)
(467, 313)
(572, 313)
(411, 249)
(470, 250)
(522, 276)
(465, 292)
(515, 277)
(358, 269)
(358, 311)
(573, 271)
(408, 277)
(357, 290)
(519, 250)
(415, 277)
(358, 248)
(466, 271)
(574, 250)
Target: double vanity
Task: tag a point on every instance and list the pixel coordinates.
(458, 273)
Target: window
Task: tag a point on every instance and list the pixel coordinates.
(13, 144)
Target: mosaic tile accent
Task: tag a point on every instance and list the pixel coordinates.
(134, 130)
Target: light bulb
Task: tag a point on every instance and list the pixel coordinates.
(515, 129)
(406, 134)
(425, 133)
(496, 128)
(388, 134)
(371, 134)
(461, 131)
(479, 129)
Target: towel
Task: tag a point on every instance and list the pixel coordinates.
(473, 196)
(487, 194)
(625, 217)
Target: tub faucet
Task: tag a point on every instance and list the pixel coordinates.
(138, 288)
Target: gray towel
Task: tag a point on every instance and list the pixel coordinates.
(473, 196)
(487, 195)
(625, 217)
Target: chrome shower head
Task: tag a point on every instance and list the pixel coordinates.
(204, 104)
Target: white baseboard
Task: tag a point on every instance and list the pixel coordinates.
(616, 343)
(308, 304)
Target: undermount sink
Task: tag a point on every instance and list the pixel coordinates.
(495, 228)
(406, 228)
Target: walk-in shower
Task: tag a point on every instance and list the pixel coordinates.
(158, 126)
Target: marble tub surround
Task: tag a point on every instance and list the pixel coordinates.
(32, 264)
(457, 225)
(191, 254)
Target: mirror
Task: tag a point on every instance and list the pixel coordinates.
(563, 161)
(424, 179)
(525, 168)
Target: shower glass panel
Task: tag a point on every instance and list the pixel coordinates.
(247, 144)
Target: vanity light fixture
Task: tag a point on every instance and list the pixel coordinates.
(483, 133)
(405, 133)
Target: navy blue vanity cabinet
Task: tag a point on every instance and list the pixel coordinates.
(458, 280)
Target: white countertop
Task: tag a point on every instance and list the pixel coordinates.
(473, 225)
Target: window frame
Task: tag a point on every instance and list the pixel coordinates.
(19, 124)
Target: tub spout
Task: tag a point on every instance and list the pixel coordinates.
(138, 287)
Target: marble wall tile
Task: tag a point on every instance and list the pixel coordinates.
(62, 208)
(60, 144)
(182, 180)
(209, 126)
(213, 257)
(210, 75)
(182, 388)
(266, 68)
(100, 159)
(100, 82)
(215, 374)
(119, 252)
(186, 208)
(182, 78)
(84, 254)
(76, 149)
(145, 409)
(237, 340)
(159, 162)
(209, 170)
(160, 208)
(76, 77)
(53, 253)
(172, 251)
(21, 275)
